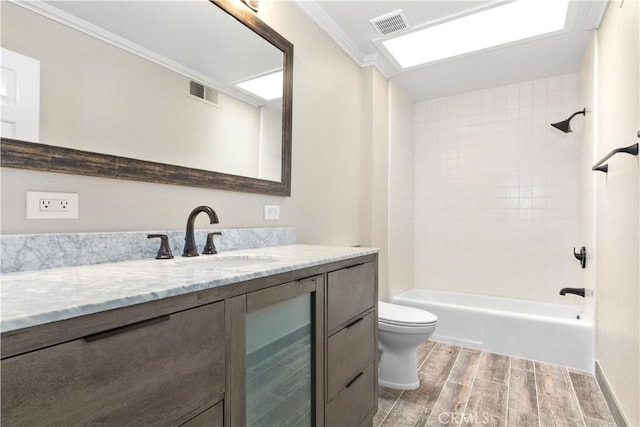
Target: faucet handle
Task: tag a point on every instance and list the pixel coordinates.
(210, 247)
(165, 251)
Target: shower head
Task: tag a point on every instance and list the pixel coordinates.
(564, 125)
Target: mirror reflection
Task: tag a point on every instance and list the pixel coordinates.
(163, 81)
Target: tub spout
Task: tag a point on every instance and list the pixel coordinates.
(575, 291)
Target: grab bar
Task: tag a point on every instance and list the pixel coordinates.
(632, 149)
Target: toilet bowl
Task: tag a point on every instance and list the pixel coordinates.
(400, 330)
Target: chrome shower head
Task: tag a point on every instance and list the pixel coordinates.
(565, 125)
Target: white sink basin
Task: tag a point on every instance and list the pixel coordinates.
(214, 262)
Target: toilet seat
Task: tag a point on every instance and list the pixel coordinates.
(404, 316)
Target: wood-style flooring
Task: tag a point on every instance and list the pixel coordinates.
(465, 387)
(279, 387)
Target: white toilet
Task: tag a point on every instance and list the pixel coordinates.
(400, 330)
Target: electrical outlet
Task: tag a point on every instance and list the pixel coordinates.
(271, 211)
(54, 205)
(45, 205)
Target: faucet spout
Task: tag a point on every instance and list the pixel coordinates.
(575, 291)
(190, 248)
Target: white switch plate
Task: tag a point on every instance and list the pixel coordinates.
(271, 211)
(46, 205)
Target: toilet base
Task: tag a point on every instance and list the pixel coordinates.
(398, 368)
(413, 386)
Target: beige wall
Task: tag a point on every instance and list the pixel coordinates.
(401, 190)
(375, 169)
(618, 210)
(586, 177)
(327, 144)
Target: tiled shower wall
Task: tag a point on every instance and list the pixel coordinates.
(496, 191)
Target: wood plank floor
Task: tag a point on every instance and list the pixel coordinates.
(279, 389)
(465, 387)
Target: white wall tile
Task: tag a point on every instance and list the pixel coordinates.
(496, 191)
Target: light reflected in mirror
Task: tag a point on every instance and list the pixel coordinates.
(169, 92)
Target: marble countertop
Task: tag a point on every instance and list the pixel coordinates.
(37, 297)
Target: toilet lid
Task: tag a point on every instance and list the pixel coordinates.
(404, 315)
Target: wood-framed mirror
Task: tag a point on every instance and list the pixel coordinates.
(88, 126)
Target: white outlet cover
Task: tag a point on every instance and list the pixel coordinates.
(33, 205)
(271, 211)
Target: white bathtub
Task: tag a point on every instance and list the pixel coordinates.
(554, 333)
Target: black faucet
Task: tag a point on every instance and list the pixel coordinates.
(190, 248)
(575, 291)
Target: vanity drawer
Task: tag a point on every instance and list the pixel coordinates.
(212, 417)
(348, 351)
(353, 403)
(162, 371)
(350, 291)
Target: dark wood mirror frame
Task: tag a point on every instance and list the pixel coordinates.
(41, 157)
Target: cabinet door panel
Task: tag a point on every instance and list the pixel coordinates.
(160, 373)
(348, 351)
(350, 291)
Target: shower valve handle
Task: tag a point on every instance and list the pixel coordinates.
(581, 256)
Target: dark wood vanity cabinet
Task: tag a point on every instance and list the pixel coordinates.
(179, 362)
(351, 362)
(162, 371)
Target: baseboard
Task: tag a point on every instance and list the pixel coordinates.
(618, 415)
(279, 344)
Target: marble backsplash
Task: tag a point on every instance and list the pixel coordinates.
(26, 252)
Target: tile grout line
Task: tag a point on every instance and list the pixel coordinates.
(472, 385)
(506, 413)
(535, 383)
(427, 357)
(391, 408)
(575, 397)
(421, 365)
(443, 385)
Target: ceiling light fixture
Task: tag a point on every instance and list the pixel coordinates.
(497, 26)
(267, 87)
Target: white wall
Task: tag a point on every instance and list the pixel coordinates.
(325, 202)
(270, 166)
(618, 205)
(496, 194)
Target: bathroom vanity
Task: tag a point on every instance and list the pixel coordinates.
(165, 342)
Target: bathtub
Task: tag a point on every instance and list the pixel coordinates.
(554, 333)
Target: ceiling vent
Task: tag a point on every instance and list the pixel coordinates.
(204, 93)
(391, 23)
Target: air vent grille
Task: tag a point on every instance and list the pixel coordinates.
(196, 89)
(204, 93)
(390, 23)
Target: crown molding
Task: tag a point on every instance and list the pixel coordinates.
(324, 21)
(595, 13)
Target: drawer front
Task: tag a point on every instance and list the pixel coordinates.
(212, 417)
(350, 291)
(160, 372)
(348, 351)
(353, 403)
